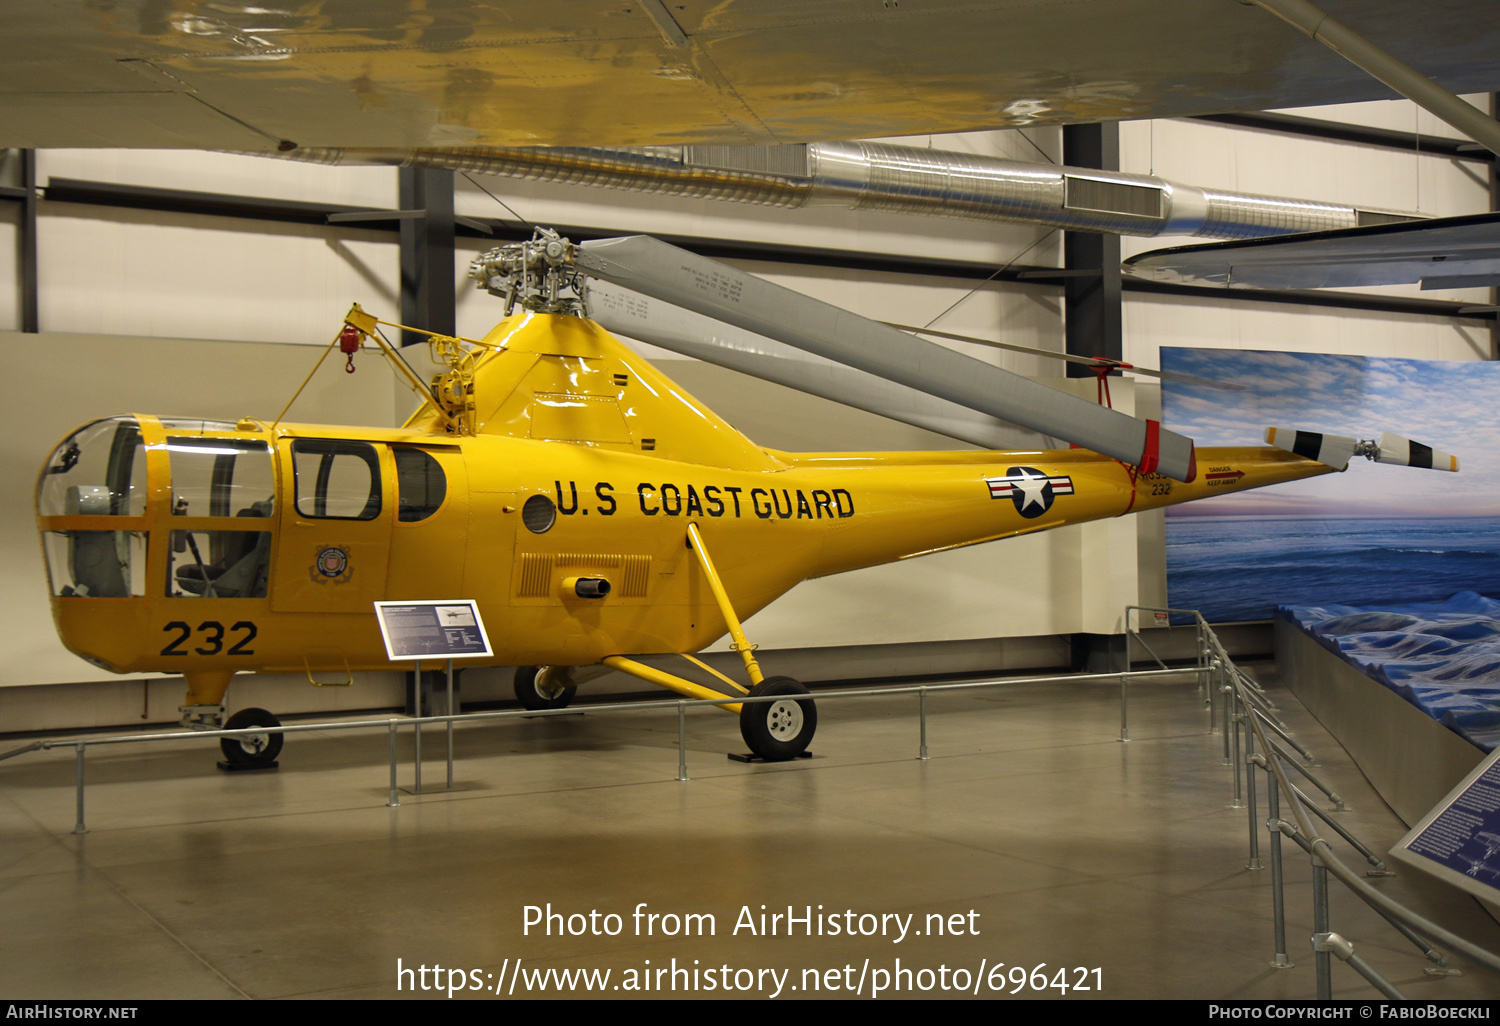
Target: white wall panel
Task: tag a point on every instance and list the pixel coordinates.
(10, 267)
(136, 272)
(1399, 115)
(1154, 321)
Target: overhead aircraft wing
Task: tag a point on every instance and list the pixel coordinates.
(1446, 252)
(414, 73)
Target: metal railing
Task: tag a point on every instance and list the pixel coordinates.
(1251, 729)
(1254, 738)
(393, 724)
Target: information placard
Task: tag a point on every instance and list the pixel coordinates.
(1459, 840)
(447, 629)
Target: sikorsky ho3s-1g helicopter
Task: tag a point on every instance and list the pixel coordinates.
(594, 510)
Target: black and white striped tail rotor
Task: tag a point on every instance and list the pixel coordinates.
(1406, 453)
(1332, 450)
(1336, 450)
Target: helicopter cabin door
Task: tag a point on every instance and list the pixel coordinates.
(336, 521)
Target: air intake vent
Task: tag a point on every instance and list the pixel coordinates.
(637, 574)
(590, 560)
(784, 161)
(536, 576)
(1369, 218)
(1111, 197)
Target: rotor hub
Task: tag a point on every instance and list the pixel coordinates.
(537, 274)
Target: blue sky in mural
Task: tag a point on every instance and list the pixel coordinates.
(1373, 534)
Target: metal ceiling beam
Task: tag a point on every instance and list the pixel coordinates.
(109, 194)
(1362, 135)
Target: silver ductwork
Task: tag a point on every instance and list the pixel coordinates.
(897, 179)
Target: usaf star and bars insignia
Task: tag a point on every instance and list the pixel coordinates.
(1031, 490)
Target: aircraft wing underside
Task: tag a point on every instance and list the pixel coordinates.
(413, 73)
(1447, 252)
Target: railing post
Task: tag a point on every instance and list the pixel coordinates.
(1249, 764)
(1321, 959)
(450, 724)
(79, 749)
(395, 799)
(922, 714)
(1234, 717)
(416, 742)
(681, 740)
(1278, 898)
(1124, 704)
(1214, 698)
(1203, 664)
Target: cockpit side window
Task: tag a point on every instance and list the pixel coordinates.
(421, 485)
(220, 477)
(336, 479)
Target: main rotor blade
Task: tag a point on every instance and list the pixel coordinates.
(691, 334)
(717, 290)
(1088, 361)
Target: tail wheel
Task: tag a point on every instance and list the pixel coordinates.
(252, 749)
(781, 729)
(535, 691)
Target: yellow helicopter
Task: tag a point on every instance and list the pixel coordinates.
(593, 509)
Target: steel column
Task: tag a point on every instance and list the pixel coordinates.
(427, 253)
(1091, 302)
(30, 291)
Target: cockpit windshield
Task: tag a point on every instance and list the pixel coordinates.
(99, 470)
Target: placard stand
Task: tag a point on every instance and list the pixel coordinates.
(416, 631)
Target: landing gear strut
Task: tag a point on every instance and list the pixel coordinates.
(775, 730)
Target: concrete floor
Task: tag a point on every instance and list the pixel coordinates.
(1048, 840)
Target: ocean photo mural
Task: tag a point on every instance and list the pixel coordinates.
(1372, 534)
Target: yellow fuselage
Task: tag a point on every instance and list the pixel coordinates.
(624, 458)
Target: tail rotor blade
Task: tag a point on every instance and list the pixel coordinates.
(1333, 450)
(1406, 453)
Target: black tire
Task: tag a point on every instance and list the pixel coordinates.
(533, 698)
(777, 731)
(251, 749)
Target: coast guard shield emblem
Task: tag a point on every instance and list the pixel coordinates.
(331, 565)
(1031, 490)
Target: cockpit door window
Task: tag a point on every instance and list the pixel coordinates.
(336, 479)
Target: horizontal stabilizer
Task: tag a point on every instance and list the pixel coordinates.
(1332, 450)
(1406, 453)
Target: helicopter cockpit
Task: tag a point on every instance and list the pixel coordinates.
(109, 483)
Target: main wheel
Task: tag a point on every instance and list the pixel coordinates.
(780, 730)
(538, 694)
(252, 749)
